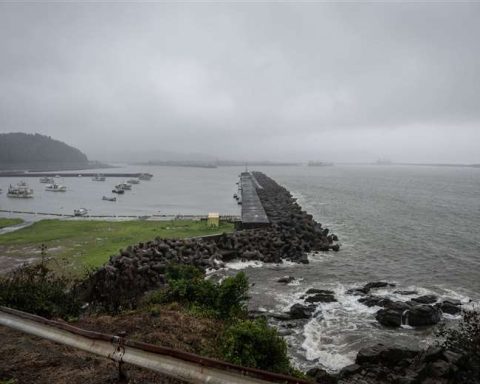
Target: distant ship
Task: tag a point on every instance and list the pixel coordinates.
(319, 164)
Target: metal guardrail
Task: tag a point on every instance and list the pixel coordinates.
(174, 363)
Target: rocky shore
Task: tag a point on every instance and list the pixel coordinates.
(389, 364)
(292, 234)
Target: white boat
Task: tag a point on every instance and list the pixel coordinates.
(46, 180)
(133, 181)
(21, 190)
(145, 176)
(56, 188)
(80, 212)
(98, 177)
(124, 186)
(109, 198)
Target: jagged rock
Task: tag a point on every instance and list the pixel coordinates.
(406, 293)
(426, 299)
(385, 355)
(356, 291)
(299, 311)
(321, 376)
(349, 370)
(423, 314)
(371, 301)
(322, 296)
(286, 279)
(391, 315)
(377, 284)
(447, 306)
(397, 313)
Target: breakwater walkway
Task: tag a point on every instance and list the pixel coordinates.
(253, 214)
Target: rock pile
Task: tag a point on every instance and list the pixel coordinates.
(387, 364)
(141, 267)
(419, 311)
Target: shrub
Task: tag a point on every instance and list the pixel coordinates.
(252, 343)
(36, 289)
(465, 339)
(187, 285)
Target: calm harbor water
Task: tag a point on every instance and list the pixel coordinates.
(417, 227)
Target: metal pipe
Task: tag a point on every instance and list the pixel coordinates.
(177, 364)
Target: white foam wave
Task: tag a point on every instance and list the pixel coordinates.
(238, 265)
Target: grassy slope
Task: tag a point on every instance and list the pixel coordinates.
(85, 243)
(8, 222)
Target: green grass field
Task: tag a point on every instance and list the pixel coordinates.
(80, 244)
(8, 222)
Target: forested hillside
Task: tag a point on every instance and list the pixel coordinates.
(34, 151)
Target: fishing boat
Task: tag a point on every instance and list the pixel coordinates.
(98, 177)
(21, 190)
(46, 180)
(113, 198)
(56, 188)
(145, 176)
(124, 186)
(118, 191)
(133, 181)
(80, 212)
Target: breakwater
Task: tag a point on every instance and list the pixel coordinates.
(141, 267)
(253, 214)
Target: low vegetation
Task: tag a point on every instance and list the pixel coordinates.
(246, 342)
(187, 285)
(4, 222)
(86, 244)
(464, 338)
(37, 289)
(252, 343)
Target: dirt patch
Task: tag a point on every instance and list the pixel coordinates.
(29, 359)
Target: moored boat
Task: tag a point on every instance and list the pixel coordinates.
(145, 176)
(124, 186)
(46, 180)
(98, 177)
(133, 181)
(21, 190)
(118, 191)
(56, 188)
(80, 212)
(106, 198)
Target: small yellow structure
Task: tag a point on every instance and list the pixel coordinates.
(213, 220)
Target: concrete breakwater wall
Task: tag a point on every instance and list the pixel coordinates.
(292, 234)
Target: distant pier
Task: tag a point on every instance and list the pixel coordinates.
(69, 174)
(253, 214)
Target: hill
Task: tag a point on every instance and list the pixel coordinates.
(38, 152)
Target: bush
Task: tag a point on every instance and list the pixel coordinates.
(36, 289)
(252, 343)
(465, 339)
(187, 285)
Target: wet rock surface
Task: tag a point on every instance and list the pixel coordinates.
(389, 364)
(300, 311)
(399, 313)
(319, 296)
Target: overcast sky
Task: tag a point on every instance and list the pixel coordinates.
(336, 82)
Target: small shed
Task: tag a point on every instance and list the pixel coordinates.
(213, 219)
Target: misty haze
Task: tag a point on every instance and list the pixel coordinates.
(239, 192)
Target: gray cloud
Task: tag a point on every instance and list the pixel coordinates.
(346, 82)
